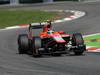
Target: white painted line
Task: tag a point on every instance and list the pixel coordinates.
(88, 47)
(68, 19)
(91, 35)
(13, 27)
(57, 21)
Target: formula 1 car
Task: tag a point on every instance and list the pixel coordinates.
(49, 42)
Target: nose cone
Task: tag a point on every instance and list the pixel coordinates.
(58, 38)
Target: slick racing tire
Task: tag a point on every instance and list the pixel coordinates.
(56, 54)
(35, 46)
(23, 43)
(77, 40)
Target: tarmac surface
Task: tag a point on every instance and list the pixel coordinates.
(11, 63)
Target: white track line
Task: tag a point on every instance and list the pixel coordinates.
(91, 35)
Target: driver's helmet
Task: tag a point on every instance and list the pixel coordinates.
(50, 31)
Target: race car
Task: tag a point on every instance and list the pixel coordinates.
(49, 42)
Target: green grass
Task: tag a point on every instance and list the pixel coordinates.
(92, 37)
(96, 44)
(16, 17)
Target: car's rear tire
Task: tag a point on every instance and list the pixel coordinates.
(56, 54)
(77, 40)
(36, 44)
(23, 43)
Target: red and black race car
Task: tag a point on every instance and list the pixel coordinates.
(49, 42)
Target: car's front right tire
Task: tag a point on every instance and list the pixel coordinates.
(77, 40)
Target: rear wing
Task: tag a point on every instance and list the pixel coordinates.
(37, 25)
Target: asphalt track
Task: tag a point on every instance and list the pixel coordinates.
(11, 63)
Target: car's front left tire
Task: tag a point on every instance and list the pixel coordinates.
(23, 43)
(36, 44)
